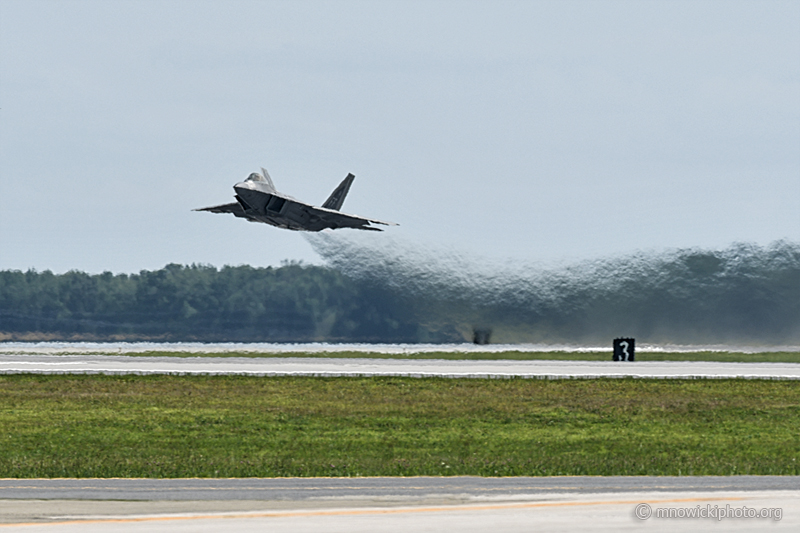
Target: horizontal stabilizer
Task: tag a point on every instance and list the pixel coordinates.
(336, 199)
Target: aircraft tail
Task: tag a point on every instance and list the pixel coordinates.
(336, 199)
(266, 177)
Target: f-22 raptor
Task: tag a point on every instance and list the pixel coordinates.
(257, 200)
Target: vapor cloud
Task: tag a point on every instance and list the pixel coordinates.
(744, 293)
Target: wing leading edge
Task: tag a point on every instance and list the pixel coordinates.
(234, 208)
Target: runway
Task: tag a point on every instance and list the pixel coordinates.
(395, 504)
(345, 367)
(298, 489)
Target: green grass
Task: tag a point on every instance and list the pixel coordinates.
(765, 357)
(218, 426)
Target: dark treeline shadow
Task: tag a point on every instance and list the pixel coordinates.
(393, 292)
(292, 303)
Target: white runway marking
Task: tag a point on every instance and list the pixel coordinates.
(39, 363)
(333, 367)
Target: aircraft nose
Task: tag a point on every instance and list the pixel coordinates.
(246, 190)
(244, 185)
(251, 196)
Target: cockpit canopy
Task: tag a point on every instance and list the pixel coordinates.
(255, 176)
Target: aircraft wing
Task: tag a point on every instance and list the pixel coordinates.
(336, 219)
(234, 208)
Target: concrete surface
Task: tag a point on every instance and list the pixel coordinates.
(333, 367)
(407, 504)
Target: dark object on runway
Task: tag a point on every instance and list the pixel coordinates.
(257, 200)
(624, 349)
(481, 336)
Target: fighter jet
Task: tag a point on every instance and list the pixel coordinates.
(257, 200)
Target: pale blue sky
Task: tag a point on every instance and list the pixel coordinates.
(539, 131)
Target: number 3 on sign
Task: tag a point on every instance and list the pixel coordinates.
(625, 355)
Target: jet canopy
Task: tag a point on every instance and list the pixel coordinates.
(255, 176)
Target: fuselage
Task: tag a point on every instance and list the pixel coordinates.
(261, 204)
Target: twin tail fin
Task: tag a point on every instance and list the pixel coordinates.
(336, 199)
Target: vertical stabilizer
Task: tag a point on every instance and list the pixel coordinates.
(336, 199)
(268, 179)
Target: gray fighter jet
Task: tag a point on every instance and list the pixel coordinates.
(257, 200)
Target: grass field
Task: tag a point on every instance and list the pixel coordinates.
(232, 426)
(764, 357)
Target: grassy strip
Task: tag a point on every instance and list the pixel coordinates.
(765, 357)
(232, 426)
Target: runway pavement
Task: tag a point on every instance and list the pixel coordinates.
(343, 367)
(296, 489)
(401, 504)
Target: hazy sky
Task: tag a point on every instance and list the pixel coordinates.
(532, 130)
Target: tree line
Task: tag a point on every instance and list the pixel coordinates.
(291, 303)
(743, 294)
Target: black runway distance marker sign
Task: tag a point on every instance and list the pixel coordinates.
(624, 349)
